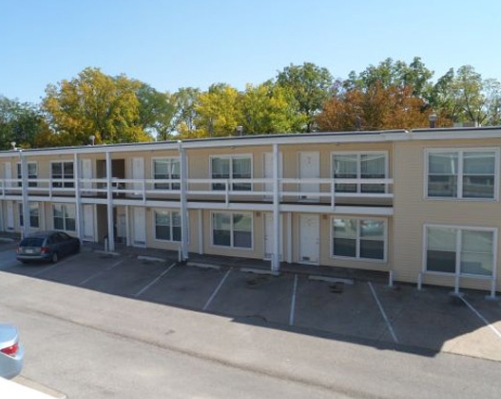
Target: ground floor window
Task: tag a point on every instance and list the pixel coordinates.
(465, 251)
(64, 217)
(359, 238)
(167, 225)
(34, 215)
(232, 230)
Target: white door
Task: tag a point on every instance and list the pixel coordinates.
(138, 174)
(122, 227)
(7, 173)
(309, 238)
(86, 174)
(10, 215)
(309, 168)
(268, 171)
(269, 237)
(88, 222)
(139, 225)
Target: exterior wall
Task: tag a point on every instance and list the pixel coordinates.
(412, 211)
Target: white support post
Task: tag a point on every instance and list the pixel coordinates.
(333, 195)
(184, 206)
(111, 232)
(227, 194)
(78, 197)
(128, 240)
(289, 237)
(275, 257)
(200, 232)
(390, 279)
(24, 186)
(420, 281)
(456, 284)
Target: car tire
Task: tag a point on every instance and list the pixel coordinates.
(54, 258)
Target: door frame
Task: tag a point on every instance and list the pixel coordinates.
(304, 196)
(300, 250)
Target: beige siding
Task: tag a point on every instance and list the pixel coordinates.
(412, 211)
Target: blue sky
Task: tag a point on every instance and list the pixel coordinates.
(179, 43)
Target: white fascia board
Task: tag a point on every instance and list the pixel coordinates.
(231, 206)
(345, 210)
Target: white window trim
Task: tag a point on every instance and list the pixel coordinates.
(359, 165)
(63, 179)
(231, 157)
(457, 272)
(20, 214)
(231, 235)
(358, 258)
(460, 151)
(64, 219)
(166, 158)
(154, 225)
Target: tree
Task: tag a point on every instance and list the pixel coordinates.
(217, 111)
(94, 104)
(268, 108)
(156, 111)
(20, 123)
(185, 102)
(310, 86)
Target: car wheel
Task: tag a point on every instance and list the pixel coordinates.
(55, 257)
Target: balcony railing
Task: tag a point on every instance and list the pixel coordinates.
(324, 190)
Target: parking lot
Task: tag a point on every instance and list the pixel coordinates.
(364, 311)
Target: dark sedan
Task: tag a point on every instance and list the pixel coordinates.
(47, 246)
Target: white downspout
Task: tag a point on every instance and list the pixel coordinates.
(275, 257)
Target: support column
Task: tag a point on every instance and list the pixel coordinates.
(275, 257)
(111, 232)
(78, 198)
(183, 201)
(25, 194)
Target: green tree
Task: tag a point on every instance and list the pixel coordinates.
(269, 108)
(310, 86)
(20, 122)
(156, 111)
(185, 102)
(94, 104)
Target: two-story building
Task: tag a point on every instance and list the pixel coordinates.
(422, 205)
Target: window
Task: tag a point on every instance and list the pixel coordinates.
(34, 215)
(166, 169)
(232, 230)
(359, 238)
(371, 165)
(64, 217)
(62, 172)
(460, 250)
(462, 174)
(167, 225)
(232, 167)
(32, 174)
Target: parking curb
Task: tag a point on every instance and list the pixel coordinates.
(331, 279)
(26, 382)
(204, 265)
(100, 251)
(259, 271)
(151, 258)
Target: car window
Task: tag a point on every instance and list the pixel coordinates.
(63, 236)
(32, 242)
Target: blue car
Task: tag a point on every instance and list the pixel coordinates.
(11, 352)
(47, 246)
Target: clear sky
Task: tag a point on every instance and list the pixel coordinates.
(179, 43)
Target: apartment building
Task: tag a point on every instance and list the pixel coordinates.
(422, 205)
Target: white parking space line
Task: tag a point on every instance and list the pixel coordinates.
(48, 268)
(101, 272)
(494, 330)
(217, 290)
(293, 302)
(154, 281)
(383, 313)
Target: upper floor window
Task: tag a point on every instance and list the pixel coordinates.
(462, 174)
(32, 173)
(359, 238)
(62, 173)
(460, 251)
(166, 169)
(232, 167)
(367, 165)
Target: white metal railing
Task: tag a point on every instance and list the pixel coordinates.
(318, 189)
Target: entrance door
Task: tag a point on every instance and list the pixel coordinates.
(309, 238)
(86, 174)
(309, 168)
(139, 227)
(138, 174)
(10, 215)
(88, 222)
(8, 173)
(268, 171)
(269, 237)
